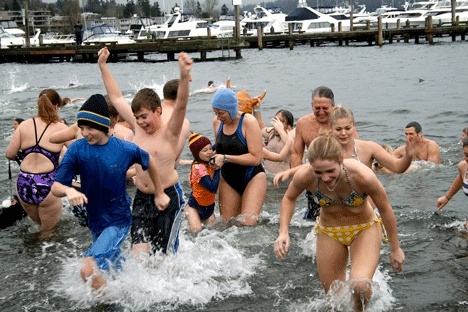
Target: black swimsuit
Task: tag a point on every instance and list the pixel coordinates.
(237, 176)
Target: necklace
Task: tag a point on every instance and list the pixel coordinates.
(331, 189)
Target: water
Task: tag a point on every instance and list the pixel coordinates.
(234, 268)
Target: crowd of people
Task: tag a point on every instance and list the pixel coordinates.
(114, 142)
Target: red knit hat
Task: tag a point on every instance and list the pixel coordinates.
(196, 143)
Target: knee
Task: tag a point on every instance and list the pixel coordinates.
(87, 270)
(361, 289)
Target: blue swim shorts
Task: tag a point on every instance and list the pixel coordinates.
(106, 247)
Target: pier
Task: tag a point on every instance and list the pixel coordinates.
(206, 45)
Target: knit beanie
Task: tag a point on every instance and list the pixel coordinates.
(94, 113)
(225, 99)
(196, 143)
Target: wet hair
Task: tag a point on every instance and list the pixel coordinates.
(465, 142)
(170, 89)
(325, 146)
(47, 101)
(416, 126)
(19, 120)
(146, 98)
(325, 92)
(210, 83)
(288, 116)
(341, 113)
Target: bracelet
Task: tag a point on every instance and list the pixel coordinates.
(256, 111)
(225, 161)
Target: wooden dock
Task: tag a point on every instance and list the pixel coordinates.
(205, 45)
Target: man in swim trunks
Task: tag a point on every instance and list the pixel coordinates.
(102, 162)
(154, 230)
(348, 226)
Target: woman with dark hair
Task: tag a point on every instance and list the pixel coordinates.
(277, 139)
(40, 161)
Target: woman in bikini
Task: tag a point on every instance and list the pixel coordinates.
(367, 152)
(460, 182)
(40, 161)
(348, 226)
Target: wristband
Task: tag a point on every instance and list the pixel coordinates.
(225, 161)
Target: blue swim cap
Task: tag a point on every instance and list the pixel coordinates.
(225, 99)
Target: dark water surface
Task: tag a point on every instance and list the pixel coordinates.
(234, 269)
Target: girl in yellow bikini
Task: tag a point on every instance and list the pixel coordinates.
(348, 226)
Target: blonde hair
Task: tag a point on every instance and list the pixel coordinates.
(325, 146)
(341, 113)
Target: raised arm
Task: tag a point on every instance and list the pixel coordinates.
(113, 91)
(175, 123)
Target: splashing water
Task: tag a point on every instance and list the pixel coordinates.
(204, 269)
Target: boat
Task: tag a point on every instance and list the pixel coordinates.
(304, 19)
(55, 38)
(7, 40)
(136, 24)
(12, 28)
(99, 34)
(181, 26)
(225, 25)
(270, 19)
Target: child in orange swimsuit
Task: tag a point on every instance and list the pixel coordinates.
(204, 181)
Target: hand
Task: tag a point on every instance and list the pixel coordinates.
(280, 177)
(277, 124)
(75, 198)
(442, 201)
(103, 55)
(185, 64)
(397, 258)
(161, 201)
(282, 246)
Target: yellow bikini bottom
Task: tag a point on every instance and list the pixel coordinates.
(346, 234)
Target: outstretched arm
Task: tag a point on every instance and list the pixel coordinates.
(113, 91)
(176, 121)
(454, 188)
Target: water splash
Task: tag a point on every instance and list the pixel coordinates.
(206, 268)
(15, 83)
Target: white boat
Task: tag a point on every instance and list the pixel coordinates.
(104, 34)
(8, 40)
(181, 25)
(55, 38)
(226, 24)
(271, 19)
(12, 28)
(304, 19)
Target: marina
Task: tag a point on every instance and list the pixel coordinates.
(207, 44)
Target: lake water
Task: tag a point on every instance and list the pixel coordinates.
(234, 268)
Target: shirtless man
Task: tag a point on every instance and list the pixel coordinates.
(309, 126)
(153, 229)
(425, 149)
(168, 104)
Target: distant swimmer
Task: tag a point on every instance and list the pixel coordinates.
(211, 87)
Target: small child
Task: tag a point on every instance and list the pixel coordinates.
(204, 181)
